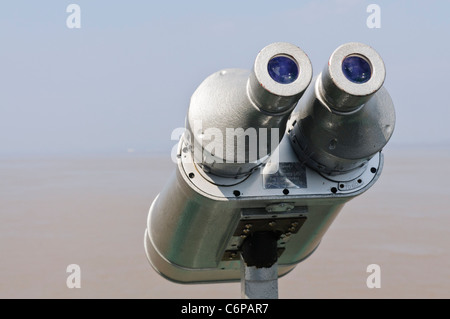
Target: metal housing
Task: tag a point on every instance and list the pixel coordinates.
(244, 100)
(319, 157)
(191, 227)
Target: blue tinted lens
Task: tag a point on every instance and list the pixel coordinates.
(356, 69)
(283, 69)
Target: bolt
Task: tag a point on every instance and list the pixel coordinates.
(246, 231)
(272, 224)
(248, 226)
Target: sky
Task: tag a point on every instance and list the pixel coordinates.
(122, 82)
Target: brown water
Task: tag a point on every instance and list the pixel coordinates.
(92, 212)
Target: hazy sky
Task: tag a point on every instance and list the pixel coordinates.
(124, 80)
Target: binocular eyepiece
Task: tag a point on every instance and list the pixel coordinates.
(353, 74)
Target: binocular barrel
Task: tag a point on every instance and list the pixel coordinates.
(345, 116)
(236, 117)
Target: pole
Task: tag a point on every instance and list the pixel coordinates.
(259, 268)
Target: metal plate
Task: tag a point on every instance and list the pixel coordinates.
(283, 226)
(279, 225)
(288, 175)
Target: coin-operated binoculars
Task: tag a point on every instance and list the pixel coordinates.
(267, 161)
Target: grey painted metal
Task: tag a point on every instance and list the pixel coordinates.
(259, 283)
(337, 91)
(248, 101)
(194, 225)
(331, 129)
(270, 95)
(192, 221)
